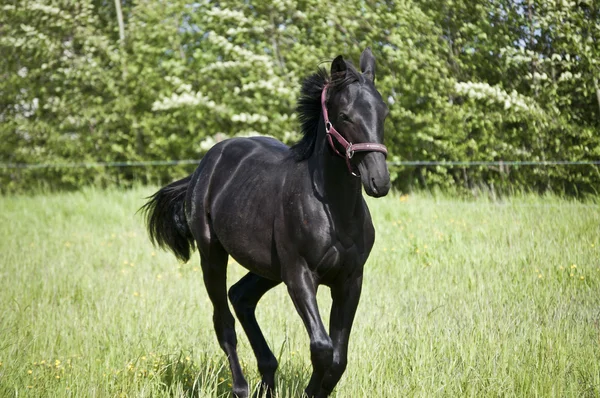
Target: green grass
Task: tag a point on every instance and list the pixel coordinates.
(461, 298)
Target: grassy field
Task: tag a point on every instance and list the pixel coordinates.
(461, 298)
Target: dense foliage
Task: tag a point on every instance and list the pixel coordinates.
(100, 80)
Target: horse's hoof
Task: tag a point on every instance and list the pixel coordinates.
(241, 392)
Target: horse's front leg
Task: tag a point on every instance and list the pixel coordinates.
(302, 289)
(345, 296)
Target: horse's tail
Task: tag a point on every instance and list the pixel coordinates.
(166, 221)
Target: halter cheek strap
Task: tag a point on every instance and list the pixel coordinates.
(349, 148)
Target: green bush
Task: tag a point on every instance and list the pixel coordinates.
(465, 80)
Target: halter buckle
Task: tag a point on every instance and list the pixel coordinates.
(349, 151)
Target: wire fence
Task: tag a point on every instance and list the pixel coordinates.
(83, 165)
(407, 163)
(501, 164)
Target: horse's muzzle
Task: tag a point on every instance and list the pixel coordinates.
(374, 174)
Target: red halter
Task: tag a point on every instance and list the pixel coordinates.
(349, 147)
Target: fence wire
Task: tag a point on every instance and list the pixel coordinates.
(406, 163)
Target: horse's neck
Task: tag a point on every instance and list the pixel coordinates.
(332, 179)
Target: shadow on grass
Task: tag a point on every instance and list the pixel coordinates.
(292, 378)
(210, 376)
(182, 377)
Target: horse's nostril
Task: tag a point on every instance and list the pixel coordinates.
(374, 186)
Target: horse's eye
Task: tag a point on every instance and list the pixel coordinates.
(344, 117)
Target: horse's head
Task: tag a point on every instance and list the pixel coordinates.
(357, 112)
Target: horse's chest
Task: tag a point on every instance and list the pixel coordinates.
(338, 258)
(331, 242)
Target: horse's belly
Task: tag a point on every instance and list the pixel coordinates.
(244, 227)
(251, 248)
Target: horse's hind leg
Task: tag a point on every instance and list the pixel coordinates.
(214, 269)
(244, 296)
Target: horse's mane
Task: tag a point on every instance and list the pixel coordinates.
(309, 106)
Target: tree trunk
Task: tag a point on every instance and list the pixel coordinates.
(120, 21)
(121, 36)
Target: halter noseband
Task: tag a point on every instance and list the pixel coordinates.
(349, 147)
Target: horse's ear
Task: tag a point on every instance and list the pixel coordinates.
(367, 64)
(338, 68)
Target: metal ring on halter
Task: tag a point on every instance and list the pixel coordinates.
(349, 151)
(328, 126)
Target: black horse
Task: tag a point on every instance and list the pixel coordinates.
(294, 215)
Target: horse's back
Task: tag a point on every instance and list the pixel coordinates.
(235, 157)
(254, 149)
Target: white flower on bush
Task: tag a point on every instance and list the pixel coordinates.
(272, 86)
(240, 30)
(495, 94)
(249, 118)
(207, 143)
(247, 55)
(186, 99)
(45, 8)
(565, 76)
(226, 13)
